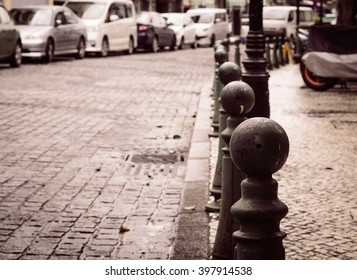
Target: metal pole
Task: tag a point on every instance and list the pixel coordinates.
(321, 12)
(297, 12)
(255, 64)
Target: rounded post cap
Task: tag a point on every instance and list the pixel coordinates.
(237, 98)
(229, 72)
(220, 55)
(259, 146)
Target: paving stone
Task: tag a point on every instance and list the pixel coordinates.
(87, 139)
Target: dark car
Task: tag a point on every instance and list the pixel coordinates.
(10, 42)
(154, 32)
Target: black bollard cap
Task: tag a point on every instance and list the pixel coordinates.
(225, 42)
(217, 45)
(237, 98)
(259, 147)
(229, 72)
(220, 55)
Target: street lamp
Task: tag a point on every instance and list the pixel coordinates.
(255, 73)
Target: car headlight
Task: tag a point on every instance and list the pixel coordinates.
(35, 37)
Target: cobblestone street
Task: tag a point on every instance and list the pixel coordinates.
(92, 154)
(99, 157)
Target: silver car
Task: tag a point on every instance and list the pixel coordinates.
(47, 31)
(10, 41)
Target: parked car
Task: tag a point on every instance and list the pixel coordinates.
(154, 32)
(111, 24)
(184, 28)
(211, 24)
(282, 19)
(10, 41)
(47, 31)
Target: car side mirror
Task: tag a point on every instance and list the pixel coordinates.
(58, 22)
(114, 17)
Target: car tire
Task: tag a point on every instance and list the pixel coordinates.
(182, 42)
(16, 57)
(81, 49)
(154, 45)
(131, 49)
(315, 82)
(212, 40)
(173, 43)
(194, 44)
(49, 52)
(105, 48)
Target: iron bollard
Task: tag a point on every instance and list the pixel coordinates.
(220, 56)
(225, 43)
(281, 43)
(237, 52)
(275, 51)
(228, 72)
(259, 147)
(237, 99)
(216, 64)
(267, 42)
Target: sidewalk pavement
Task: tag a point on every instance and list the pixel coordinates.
(317, 183)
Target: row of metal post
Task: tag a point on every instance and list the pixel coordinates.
(249, 152)
(277, 50)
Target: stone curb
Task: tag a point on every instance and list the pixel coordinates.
(192, 229)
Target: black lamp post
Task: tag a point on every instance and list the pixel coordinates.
(255, 64)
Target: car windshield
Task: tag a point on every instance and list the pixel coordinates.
(202, 18)
(174, 19)
(87, 10)
(143, 18)
(32, 16)
(274, 14)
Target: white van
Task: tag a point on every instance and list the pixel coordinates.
(211, 24)
(283, 19)
(111, 24)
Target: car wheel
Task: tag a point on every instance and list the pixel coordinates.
(194, 44)
(16, 58)
(154, 45)
(81, 49)
(105, 48)
(50, 49)
(182, 42)
(173, 43)
(131, 46)
(212, 41)
(315, 82)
